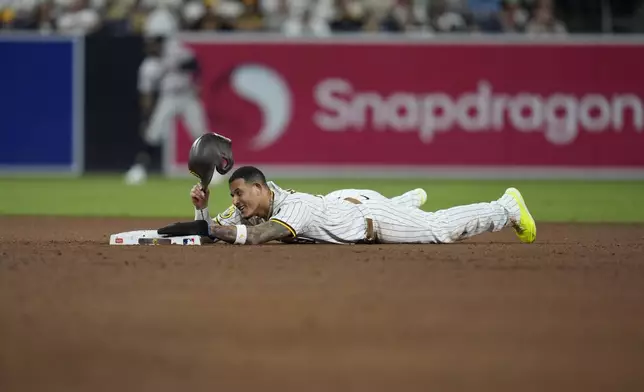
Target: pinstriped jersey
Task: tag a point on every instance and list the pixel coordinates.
(318, 218)
(306, 216)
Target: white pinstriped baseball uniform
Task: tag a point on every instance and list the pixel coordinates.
(335, 220)
(231, 216)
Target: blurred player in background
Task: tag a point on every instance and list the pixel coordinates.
(169, 87)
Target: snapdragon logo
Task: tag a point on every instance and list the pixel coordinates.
(250, 102)
(268, 90)
(561, 117)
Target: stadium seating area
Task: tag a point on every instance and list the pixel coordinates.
(292, 17)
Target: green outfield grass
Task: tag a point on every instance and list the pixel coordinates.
(561, 201)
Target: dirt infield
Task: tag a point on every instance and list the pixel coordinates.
(563, 314)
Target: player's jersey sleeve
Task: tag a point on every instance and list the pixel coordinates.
(230, 217)
(149, 75)
(203, 215)
(295, 216)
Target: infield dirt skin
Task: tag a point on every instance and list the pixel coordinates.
(490, 314)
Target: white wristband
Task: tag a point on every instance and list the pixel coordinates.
(242, 234)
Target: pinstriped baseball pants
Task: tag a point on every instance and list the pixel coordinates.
(396, 223)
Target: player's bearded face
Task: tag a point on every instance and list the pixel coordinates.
(248, 198)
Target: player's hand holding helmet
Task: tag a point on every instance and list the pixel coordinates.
(199, 196)
(209, 152)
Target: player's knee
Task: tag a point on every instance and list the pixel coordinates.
(444, 238)
(444, 233)
(153, 136)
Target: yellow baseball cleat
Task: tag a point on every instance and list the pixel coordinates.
(526, 227)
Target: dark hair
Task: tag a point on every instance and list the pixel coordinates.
(249, 174)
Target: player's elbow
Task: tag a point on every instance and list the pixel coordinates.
(258, 237)
(254, 239)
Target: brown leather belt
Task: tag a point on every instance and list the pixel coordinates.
(370, 237)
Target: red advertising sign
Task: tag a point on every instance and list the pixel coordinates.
(338, 104)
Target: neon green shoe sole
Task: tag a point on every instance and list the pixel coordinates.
(526, 229)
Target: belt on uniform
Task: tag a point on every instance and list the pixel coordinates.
(370, 237)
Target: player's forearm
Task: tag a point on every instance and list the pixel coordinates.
(203, 214)
(255, 235)
(225, 233)
(229, 234)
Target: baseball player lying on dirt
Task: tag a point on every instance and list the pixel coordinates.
(264, 212)
(415, 198)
